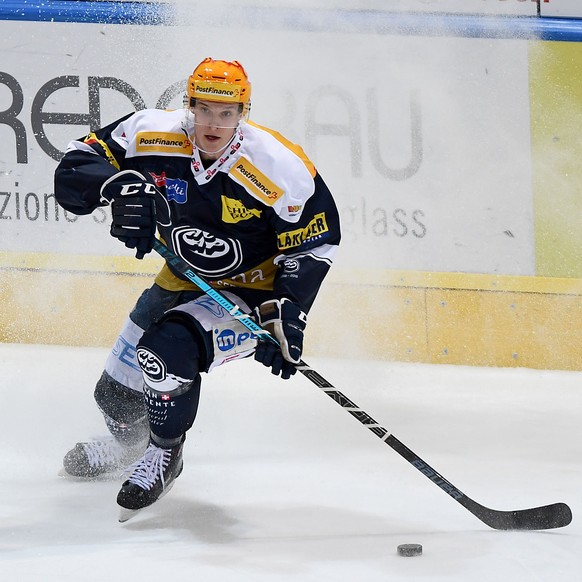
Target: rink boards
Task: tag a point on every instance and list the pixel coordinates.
(454, 161)
(451, 318)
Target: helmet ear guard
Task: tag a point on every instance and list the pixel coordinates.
(220, 81)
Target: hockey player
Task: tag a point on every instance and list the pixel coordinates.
(247, 210)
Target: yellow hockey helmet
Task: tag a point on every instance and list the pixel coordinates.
(223, 81)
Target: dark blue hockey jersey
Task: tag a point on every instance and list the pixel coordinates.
(259, 219)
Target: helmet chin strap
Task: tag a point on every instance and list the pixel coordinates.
(214, 152)
(220, 149)
(207, 151)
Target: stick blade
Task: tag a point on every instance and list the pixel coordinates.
(536, 518)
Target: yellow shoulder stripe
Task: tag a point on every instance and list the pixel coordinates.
(92, 139)
(296, 149)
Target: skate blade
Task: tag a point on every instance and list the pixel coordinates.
(126, 514)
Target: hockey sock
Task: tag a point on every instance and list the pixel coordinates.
(123, 409)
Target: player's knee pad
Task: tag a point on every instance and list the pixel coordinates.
(123, 409)
(168, 354)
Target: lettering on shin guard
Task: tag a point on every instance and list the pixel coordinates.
(171, 414)
(171, 401)
(158, 404)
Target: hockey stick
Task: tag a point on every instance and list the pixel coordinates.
(536, 518)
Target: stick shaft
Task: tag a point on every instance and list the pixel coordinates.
(545, 517)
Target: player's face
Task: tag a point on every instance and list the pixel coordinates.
(215, 125)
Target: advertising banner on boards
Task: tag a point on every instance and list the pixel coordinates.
(424, 142)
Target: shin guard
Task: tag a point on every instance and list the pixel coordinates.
(168, 355)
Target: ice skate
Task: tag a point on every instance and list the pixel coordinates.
(150, 478)
(104, 457)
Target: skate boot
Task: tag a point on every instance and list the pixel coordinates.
(100, 458)
(150, 478)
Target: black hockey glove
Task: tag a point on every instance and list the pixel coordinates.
(286, 322)
(133, 209)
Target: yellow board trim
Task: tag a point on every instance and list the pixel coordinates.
(152, 264)
(460, 281)
(407, 316)
(79, 263)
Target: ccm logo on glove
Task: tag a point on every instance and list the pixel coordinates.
(133, 209)
(137, 188)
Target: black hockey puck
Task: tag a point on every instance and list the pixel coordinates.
(408, 550)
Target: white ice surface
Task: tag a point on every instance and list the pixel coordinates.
(280, 483)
